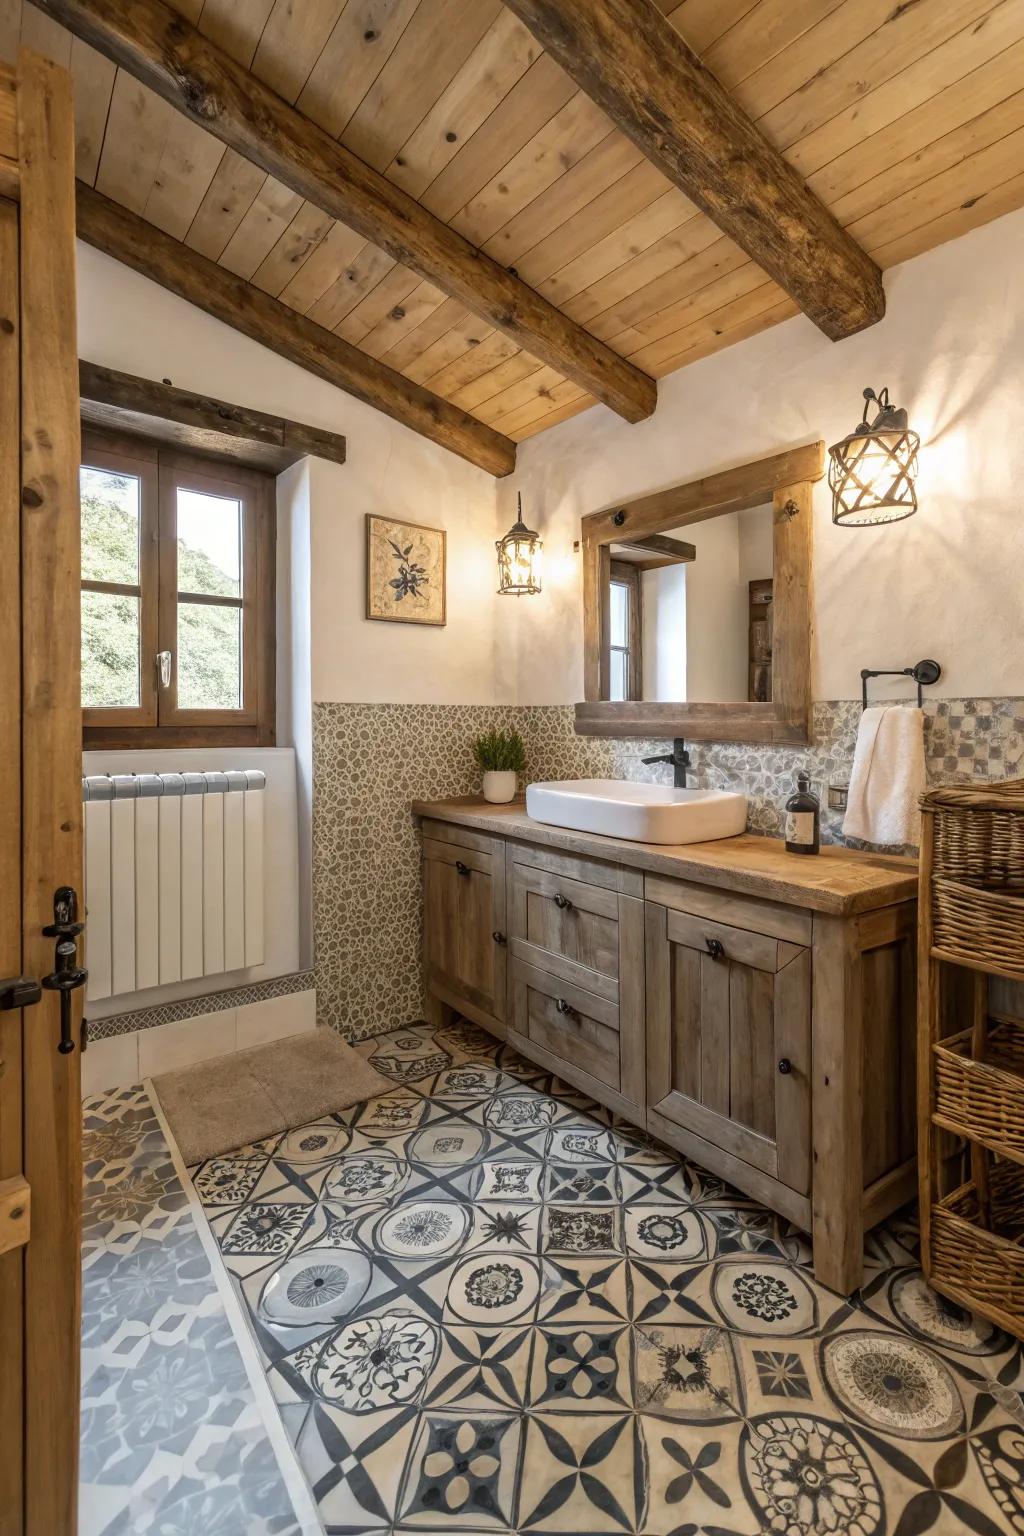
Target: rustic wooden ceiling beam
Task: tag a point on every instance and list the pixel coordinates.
(130, 239)
(123, 402)
(162, 49)
(633, 63)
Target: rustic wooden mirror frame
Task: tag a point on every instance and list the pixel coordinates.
(786, 480)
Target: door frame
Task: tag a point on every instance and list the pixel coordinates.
(39, 511)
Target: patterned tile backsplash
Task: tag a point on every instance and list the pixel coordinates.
(372, 760)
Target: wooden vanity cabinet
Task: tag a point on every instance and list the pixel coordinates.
(753, 1010)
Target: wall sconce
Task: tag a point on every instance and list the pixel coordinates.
(519, 559)
(871, 473)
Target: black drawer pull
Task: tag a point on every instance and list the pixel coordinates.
(716, 949)
(563, 903)
(499, 938)
(460, 868)
(785, 1066)
(566, 1009)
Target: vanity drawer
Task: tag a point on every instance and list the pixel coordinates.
(567, 926)
(449, 835)
(571, 1024)
(577, 866)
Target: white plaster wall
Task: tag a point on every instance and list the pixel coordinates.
(946, 583)
(127, 322)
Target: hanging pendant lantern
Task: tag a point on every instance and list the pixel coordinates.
(519, 559)
(871, 473)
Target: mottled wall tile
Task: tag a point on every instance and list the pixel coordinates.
(372, 760)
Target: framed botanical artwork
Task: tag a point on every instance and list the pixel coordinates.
(405, 571)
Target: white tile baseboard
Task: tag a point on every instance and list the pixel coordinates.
(119, 1061)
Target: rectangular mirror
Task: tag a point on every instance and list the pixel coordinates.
(697, 607)
(670, 596)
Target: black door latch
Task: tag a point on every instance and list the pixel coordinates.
(66, 975)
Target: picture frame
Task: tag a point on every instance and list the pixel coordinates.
(406, 572)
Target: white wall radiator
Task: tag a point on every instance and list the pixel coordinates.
(173, 877)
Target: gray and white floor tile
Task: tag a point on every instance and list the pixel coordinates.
(484, 1305)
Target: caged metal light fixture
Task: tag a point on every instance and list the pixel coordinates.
(871, 473)
(519, 559)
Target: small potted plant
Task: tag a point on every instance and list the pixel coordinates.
(502, 756)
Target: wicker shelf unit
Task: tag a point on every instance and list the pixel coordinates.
(971, 1070)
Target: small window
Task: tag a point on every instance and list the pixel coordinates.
(177, 598)
(624, 632)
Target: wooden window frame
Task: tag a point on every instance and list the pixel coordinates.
(158, 721)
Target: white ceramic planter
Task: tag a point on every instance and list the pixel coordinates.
(500, 787)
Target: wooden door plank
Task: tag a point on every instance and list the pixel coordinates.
(11, 1023)
(714, 1034)
(752, 1057)
(148, 39)
(51, 790)
(686, 1021)
(15, 1220)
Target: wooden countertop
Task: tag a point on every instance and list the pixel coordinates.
(837, 880)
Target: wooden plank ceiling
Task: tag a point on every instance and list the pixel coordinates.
(906, 120)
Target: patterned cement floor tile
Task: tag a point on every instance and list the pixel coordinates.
(172, 1442)
(486, 1305)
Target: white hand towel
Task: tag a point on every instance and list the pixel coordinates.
(888, 777)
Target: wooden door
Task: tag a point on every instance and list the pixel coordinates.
(464, 943)
(40, 801)
(728, 1032)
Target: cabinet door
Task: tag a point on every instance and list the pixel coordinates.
(463, 925)
(728, 1039)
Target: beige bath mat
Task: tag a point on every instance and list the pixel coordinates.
(220, 1105)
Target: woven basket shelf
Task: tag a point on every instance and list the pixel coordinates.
(983, 1268)
(977, 885)
(983, 1100)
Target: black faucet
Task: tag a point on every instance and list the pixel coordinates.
(680, 760)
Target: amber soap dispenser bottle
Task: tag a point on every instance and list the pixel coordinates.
(803, 819)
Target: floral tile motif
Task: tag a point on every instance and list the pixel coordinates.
(172, 1440)
(486, 1306)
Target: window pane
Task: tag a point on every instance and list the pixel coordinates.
(619, 612)
(618, 675)
(110, 526)
(209, 656)
(209, 544)
(110, 651)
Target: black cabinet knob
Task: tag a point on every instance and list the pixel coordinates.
(460, 868)
(716, 949)
(565, 1009)
(785, 1066)
(499, 938)
(563, 903)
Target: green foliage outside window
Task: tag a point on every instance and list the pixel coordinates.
(208, 649)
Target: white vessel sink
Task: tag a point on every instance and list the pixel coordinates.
(643, 813)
